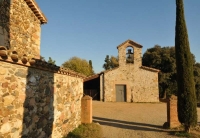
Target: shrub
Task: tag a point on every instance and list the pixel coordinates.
(92, 130)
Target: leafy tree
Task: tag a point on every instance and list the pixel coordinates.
(42, 58)
(110, 63)
(164, 60)
(114, 62)
(79, 65)
(187, 106)
(51, 61)
(197, 65)
(106, 65)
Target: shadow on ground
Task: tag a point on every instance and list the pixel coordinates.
(128, 125)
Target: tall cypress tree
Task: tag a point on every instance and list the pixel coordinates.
(91, 67)
(187, 107)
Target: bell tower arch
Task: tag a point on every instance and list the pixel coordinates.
(130, 52)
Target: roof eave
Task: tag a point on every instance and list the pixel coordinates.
(36, 10)
(150, 69)
(130, 41)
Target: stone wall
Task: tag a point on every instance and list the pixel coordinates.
(36, 101)
(146, 87)
(24, 29)
(141, 84)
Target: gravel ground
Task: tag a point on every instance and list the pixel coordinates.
(132, 120)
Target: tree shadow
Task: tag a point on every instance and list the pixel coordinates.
(128, 125)
(38, 106)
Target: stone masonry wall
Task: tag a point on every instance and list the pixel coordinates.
(142, 85)
(146, 86)
(38, 103)
(24, 29)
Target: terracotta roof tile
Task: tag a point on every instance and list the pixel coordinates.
(36, 10)
(131, 42)
(91, 77)
(151, 69)
(14, 58)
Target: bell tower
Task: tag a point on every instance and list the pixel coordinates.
(130, 53)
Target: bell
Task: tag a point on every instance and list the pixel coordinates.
(129, 51)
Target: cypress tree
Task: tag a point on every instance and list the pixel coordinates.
(90, 63)
(91, 67)
(187, 106)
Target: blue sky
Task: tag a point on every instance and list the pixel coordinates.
(92, 29)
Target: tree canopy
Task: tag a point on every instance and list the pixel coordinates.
(163, 58)
(110, 62)
(79, 65)
(51, 61)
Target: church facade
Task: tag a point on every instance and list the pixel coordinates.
(130, 82)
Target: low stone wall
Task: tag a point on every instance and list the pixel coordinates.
(38, 103)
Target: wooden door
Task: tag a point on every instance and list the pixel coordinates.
(120, 93)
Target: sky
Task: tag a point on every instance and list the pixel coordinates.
(92, 29)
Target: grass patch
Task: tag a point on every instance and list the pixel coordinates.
(92, 130)
(186, 135)
(182, 134)
(179, 132)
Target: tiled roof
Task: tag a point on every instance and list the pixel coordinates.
(91, 77)
(35, 8)
(98, 74)
(24, 60)
(150, 69)
(109, 70)
(131, 42)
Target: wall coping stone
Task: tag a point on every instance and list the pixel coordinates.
(23, 60)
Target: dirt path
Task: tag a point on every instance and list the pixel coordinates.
(131, 120)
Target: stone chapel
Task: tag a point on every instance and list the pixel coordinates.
(130, 82)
